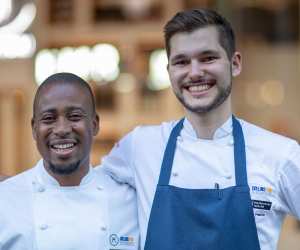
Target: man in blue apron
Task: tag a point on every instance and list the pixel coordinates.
(209, 181)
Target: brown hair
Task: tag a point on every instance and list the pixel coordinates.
(190, 20)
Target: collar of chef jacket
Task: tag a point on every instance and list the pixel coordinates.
(46, 179)
(223, 131)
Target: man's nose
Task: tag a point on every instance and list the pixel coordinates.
(196, 70)
(62, 127)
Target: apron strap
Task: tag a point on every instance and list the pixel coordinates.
(239, 153)
(167, 163)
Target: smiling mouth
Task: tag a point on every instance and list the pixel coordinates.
(63, 148)
(199, 88)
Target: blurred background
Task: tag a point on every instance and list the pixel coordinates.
(117, 46)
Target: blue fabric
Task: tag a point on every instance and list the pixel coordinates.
(202, 219)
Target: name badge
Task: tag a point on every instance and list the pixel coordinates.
(265, 205)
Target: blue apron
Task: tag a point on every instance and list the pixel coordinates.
(202, 219)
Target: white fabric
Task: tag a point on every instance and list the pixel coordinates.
(37, 213)
(273, 168)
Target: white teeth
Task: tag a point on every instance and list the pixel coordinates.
(201, 87)
(63, 146)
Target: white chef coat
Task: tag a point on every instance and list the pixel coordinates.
(273, 168)
(37, 213)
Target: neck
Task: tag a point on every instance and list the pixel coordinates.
(206, 124)
(73, 179)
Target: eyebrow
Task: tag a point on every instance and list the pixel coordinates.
(51, 110)
(179, 56)
(202, 53)
(209, 52)
(68, 109)
(75, 108)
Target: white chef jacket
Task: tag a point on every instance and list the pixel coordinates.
(36, 213)
(273, 169)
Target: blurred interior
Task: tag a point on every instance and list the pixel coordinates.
(117, 46)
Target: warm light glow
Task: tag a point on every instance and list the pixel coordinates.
(22, 21)
(17, 46)
(5, 9)
(158, 74)
(76, 61)
(82, 62)
(136, 8)
(125, 83)
(14, 42)
(66, 60)
(272, 93)
(105, 65)
(45, 65)
(251, 96)
(100, 64)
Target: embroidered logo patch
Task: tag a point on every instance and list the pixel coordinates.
(261, 189)
(126, 240)
(115, 240)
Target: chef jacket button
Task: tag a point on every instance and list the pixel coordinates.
(41, 189)
(179, 138)
(43, 226)
(231, 142)
(99, 188)
(103, 228)
(174, 174)
(227, 174)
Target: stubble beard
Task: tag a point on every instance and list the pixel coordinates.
(223, 94)
(64, 170)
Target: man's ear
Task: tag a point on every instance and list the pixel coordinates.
(33, 128)
(95, 125)
(236, 64)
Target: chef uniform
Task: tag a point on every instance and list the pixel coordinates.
(194, 193)
(37, 213)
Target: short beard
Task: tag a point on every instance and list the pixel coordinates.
(221, 97)
(62, 170)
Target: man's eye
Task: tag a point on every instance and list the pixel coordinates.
(181, 62)
(209, 59)
(48, 119)
(75, 117)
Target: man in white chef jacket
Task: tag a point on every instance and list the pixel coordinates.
(209, 181)
(62, 203)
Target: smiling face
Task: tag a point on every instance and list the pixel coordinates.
(63, 126)
(200, 71)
